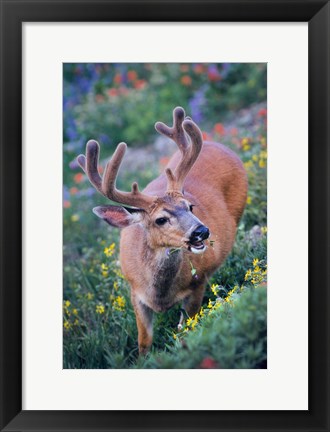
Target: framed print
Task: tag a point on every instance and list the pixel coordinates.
(75, 354)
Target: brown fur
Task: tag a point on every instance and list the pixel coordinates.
(206, 175)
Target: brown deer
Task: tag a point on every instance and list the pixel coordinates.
(167, 226)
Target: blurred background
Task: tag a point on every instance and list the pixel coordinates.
(121, 102)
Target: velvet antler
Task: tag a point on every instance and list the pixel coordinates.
(107, 185)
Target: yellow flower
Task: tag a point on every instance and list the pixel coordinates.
(210, 304)
(119, 303)
(262, 163)
(105, 273)
(90, 296)
(248, 200)
(174, 336)
(75, 311)
(255, 262)
(264, 230)
(189, 321)
(248, 164)
(215, 289)
(100, 309)
(109, 251)
(257, 269)
(66, 325)
(255, 158)
(76, 322)
(104, 267)
(67, 303)
(115, 286)
(75, 217)
(248, 274)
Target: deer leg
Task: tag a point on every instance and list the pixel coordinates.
(193, 302)
(143, 315)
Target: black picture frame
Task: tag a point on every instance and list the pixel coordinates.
(13, 14)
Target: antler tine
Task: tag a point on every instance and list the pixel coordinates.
(90, 163)
(183, 127)
(107, 185)
(182, 169)
(135, 197)
(176, 132)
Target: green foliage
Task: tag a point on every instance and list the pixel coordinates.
(233, 336)
(114, 103)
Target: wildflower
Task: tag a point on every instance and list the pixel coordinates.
(248, 200)
(140, 84)
(255, 262)
(75, 217)
(174, 336)
(264, 230)
(75, 311)
(248, 274)
(208, 363)
(66, 204)
(119, 303)
(210, 304)
(201, 313)
(198, 68)
(206, 136)
(115, 286)
(109, 251)
(117, 79)
(186, 80)
(67, 303)
(262, 163)
(66, 325)
(248, 164)
(262, 112)
(215, 289)
(76, 322)
(219, 129)
(78, 178)
(73, 190)
(257, 269)
(112, 92)
(189, 321)
(90, 296)
(100, 309)
(255, 158)
(245, 144)
(131, 75)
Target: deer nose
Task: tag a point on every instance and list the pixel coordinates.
(202, 232)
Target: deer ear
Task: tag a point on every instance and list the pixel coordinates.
(118, 216)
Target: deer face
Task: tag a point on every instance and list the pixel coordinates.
(170, 223)
(168, 220)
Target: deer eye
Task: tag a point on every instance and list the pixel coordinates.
(161, 221)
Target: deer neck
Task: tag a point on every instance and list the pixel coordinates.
(165, 272)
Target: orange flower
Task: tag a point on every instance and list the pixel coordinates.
(199, 68)
(140, 84)
(186, 80)
(112, 92)
(73, 190)
(262, 112)
(78, 178)
(66, 204)
(219, 129)
(131, 75)
(206, 136)
(118, 79)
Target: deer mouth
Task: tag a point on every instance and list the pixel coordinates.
(196, 247)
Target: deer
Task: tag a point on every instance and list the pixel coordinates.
(166, 228)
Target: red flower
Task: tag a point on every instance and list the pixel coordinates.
(112, 92)
(219, 129)
(262, 112)
(131, 75)
(73, 190)
(209, 363)
(140, 84)
(206, 136)
(186, 80)
(117, 79)
(199, 68)
(78, 178)
(66, 204)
